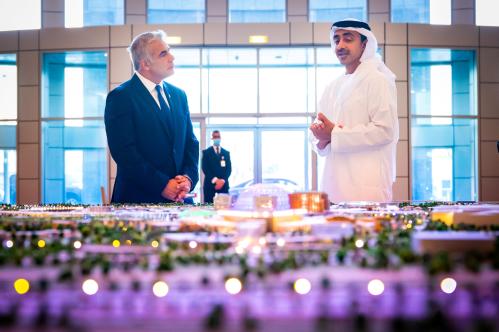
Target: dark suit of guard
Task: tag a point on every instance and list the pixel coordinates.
(212, 165)
(150, 146)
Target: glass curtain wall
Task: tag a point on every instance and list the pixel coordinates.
(486, 12)
(20, 15)
(74, 158)
(336, 10)
(168, 11)
(82, 13)
(444, 124)
(8, 126)
(257, 11)
(421, 11)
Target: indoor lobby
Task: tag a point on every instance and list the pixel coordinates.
(272, 252)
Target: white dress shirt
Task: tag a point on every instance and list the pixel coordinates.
(151, 87)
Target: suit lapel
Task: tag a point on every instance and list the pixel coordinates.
(218, 156)
(215, 158)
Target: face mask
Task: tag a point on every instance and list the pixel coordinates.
(216, 142)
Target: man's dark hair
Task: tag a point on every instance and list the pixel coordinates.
(215, 132)
(362, 38)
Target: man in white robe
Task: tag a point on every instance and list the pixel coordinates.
(356, 128)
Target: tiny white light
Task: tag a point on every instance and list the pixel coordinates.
(448, 285)
(155, 244)
(9, 244)
(160, 289)
(193, 244)
(262, 241)
(257, 250)
(239, 250)
(359, 243)
(77, 244)
(233, 286)
(244, 243)
(281, 242)
(375, 287)
(302, 286)
(90, 287)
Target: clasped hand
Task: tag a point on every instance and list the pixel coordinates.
(219, 183)
(177, 188)
(322, 129)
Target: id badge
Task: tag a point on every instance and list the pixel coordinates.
(222, 163)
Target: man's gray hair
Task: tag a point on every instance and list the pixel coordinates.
(138, 48)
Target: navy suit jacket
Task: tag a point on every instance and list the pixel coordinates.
(146, 152)
(211, 165)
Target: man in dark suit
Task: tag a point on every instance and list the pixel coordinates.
(149, 130)
(216, 167)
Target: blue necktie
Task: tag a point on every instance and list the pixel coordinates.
(165, 110)
(162, 104)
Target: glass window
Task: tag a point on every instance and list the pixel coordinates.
(336, 10)
(230, 120)
(264, 153)
(328, 68)
(8, 87)
(8, 124)
(443, 124)
(20, 15)
(188, 75)
(82, 13)
(287, 120)
(284, 158)
(74, 157)
(255, 11)
(74, 84)
(168, 11)
(443, 82)
(8, 164)
(421, 11)
(286, 80)
(486, 12)
(74, 162)
(229, 80)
